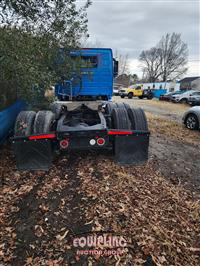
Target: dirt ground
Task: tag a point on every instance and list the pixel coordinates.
(155, 206)
(166, 110)
(174, 147)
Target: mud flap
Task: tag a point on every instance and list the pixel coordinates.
(131, 149)
(33, 155)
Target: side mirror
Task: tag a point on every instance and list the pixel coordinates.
(115, 68)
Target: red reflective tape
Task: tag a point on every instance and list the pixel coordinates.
(112, 132)
(47, 136)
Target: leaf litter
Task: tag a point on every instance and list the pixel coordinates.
(40, 213)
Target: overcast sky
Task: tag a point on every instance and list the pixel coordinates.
(134, 25)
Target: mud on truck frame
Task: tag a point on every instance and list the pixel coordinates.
(83, 118)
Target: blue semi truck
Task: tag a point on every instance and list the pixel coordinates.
(92, 78)
(83, 118)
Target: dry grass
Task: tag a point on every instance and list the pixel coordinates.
(166, 105)
(172, 129)
(163, 105)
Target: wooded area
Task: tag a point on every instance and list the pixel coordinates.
(32, 34)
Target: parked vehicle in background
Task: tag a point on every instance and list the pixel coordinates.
(191, 118)
(147, 94)
(123, 92)
(130, 92)
(194, 99)
(184, 97)
(168, 96)
(136, 92)
(115, 91)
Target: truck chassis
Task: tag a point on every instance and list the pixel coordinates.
(80, 126)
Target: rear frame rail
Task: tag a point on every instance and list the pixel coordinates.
(35, 152)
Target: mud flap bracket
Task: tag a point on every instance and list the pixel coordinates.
(33, 155)
(131, 149)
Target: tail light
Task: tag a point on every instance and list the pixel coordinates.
(101, 141)
(64, 144)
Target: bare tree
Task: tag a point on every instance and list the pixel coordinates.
(151, 65)
(134, 78)
(85, 43)
(173, 56)
(167, 60)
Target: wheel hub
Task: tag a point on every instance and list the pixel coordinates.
(191, 122)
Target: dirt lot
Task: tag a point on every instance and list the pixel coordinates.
(155, 205)
(166, 110)
(175, 148)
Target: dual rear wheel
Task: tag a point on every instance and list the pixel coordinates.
(120, 116)
(124, 117)
(28, 122)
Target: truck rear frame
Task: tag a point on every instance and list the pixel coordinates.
(84, 118)
(82, 126)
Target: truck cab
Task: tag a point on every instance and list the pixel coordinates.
(92, 78)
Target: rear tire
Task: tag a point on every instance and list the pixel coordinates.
(123, 105)
(56, 108)
(43, 122)
(120, 119)
(109, 108)
(138, 119)
(184, 100)
(140, 97)
(24, 123)
(150, 97)
(130, 95)
(122, 96)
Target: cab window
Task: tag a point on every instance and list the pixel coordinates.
(138, 88)
(86, 61)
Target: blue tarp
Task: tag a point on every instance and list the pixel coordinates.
(157, 93)
(8, 117)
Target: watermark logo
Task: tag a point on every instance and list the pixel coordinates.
(106, 243)
(102, 240)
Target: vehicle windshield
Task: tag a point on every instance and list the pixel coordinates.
(86, 61)
(179, 92)
(196, 93)
(188, 92)
(170, 93)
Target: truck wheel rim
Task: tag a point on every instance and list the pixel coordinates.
(191, 122)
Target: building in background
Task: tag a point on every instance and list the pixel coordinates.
(168, 86)
(190, 83)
